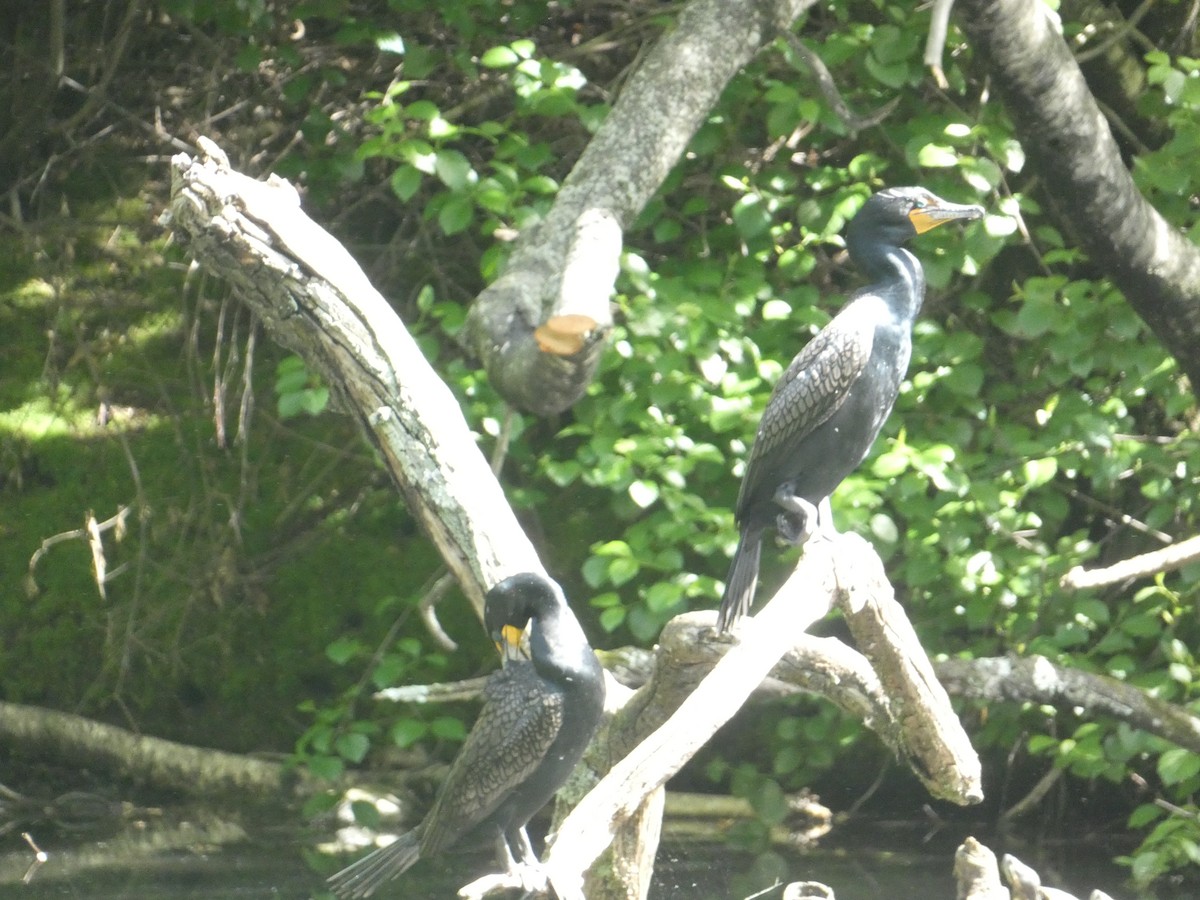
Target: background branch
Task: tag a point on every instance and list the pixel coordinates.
(664, 102)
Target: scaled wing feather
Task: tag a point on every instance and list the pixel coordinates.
(516, 726)
(813, 387)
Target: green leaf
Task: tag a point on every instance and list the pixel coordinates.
(389, 671)
(448, 728)
(344, 649)
(328, 768)
(1037, 316)
(622, 569)
(663, 595)
(776, 310)
(406, 181)
(499, 58)
(643, 493)
(770, 802)
(937, 156)
(407, 732)
(612, 618)
(1039, 471)
(454, 170)
(352, 746)
(1177, 765)
(751, 216)
(456, 215)
(390, 43)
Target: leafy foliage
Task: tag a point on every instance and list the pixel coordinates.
(1042, 426)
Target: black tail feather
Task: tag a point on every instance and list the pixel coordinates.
(741, 581)
(362, 878)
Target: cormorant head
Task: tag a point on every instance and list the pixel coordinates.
(511, 603)
(896, 215)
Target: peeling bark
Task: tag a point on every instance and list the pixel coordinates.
(314, 299)
(1080, 170)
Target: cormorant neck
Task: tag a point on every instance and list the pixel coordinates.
(558, 646)
(895, 273)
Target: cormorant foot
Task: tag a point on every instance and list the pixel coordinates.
(799, 518)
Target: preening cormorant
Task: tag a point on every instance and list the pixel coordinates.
(828, 407)
(537, 718)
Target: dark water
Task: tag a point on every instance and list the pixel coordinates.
(218, 860)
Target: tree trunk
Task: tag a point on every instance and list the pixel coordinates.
(1072, 150)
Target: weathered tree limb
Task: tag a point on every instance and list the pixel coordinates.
(827, 667)
(1035, 679)
(1168, 559)
(977, 877)
(976, 873)
(659, 109)
(144, 760)
(1071, 148)
(591, 826)
(315, 300)
(934, 742)
(828, 569)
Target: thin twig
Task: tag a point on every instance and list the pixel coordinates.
(935, 42)
(832, 95)
(115, 521)
(427, 609)
(1168, 559)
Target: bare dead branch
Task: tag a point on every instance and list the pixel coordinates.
(935, 42)
(827, 569)
(1168, 559)
(1035, 679)
(163, 764)
(90, 532)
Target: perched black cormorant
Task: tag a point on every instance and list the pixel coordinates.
(537, 718)
(828, 407)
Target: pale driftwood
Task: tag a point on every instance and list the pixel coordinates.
(315, 300)
(665, 100)
(158, 763)
(1168, 559)
(438, 692)
(1036, 679)
(977, 877)
(976, 873)
(591, 826)
(1025, 882)
(930, 734)
(839, 566)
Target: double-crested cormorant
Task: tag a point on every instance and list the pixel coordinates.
(828, 407)
(537, 718)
